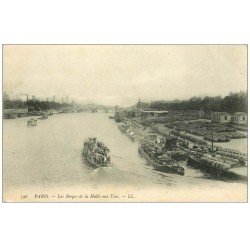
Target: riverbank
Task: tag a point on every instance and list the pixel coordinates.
(237, 141)
(19, 114)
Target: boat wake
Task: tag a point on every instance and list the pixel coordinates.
(110, 175)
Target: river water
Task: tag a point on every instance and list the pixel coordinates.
(49, 156)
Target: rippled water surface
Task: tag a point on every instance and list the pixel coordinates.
(49, 155)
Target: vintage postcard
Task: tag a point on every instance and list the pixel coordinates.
(125, 123)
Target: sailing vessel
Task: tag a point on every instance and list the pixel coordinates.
(95, 153)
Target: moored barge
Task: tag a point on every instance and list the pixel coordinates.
(160, 162)
(130, 134)
(123, 128)
(43, 117)
(217, 167)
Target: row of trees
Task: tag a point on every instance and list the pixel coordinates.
(234, 102)
(13, 104)
(34, 105)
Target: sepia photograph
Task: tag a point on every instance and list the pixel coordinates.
(125, 123)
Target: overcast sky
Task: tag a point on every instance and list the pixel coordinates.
(120, 75)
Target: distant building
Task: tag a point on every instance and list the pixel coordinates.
(239, 118)
(221, 117)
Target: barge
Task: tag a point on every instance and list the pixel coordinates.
(32, 122)
(160, 162)
(43, 117)
(95, 153)
(130, 134)
(217, 166)
(123, 128)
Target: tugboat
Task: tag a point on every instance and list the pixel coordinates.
(117, 117)
(32, 122)
(159, 159)
(95, 153)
